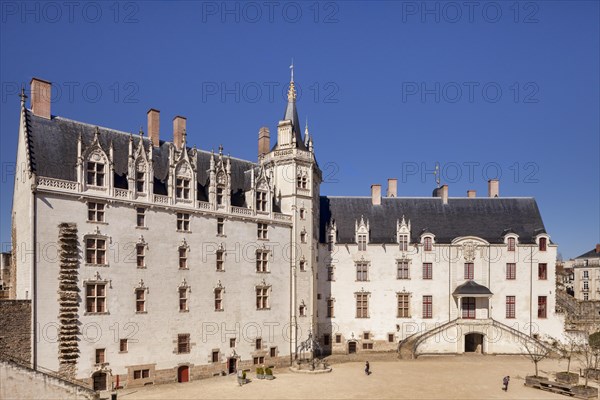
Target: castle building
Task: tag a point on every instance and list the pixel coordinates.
(586, 275)
(159, 262)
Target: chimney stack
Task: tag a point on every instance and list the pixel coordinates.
(178, 129)
(264, 141)
(598, 248)
(392, 190)
(471, 194)
(493, 188)
(41, 93)
(154, 126)
(443, 193)
(376, 195)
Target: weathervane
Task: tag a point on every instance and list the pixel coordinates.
(436, 173)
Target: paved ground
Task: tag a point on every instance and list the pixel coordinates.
(443, 377)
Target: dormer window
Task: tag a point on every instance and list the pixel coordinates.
(330, 242)
(182, 190)
(403, 239)
(543, 244)
(362, 242)
(95, 174)
(428, 243)
(511, 243)
(220, 192)
(302, 213)
(302, 181)
(140, 182)
(261, 201)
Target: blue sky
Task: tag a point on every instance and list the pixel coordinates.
(389, 89)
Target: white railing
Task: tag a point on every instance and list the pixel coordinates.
(122, 193)
(203, 205)
(56, 183)
(241, 210)
(159, 198)
(587, 263)
(282, 217)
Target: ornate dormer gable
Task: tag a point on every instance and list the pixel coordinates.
(94, 165)
(542, 239)
(302, 178)
(220, 181)
(184, 175)
(511, 239)
(261, 190)
(141, 172)
(403, 233)
(427, 239)
(361, 232)
(331, 232)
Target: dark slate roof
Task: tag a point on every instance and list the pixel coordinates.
(487, 218)
(53, 152)
(471, 288)
(590, 254)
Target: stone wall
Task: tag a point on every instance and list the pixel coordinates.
(25, 383)
(15, 329)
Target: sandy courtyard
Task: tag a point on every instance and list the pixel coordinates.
(444, 377)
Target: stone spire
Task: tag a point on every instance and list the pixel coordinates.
(291, 113)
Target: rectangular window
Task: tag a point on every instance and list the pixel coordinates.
(362, 242)
(330, 276)
(427, 271)
(326, 340)
(542, 271)
(258, 344)
(220, 226)
(95, 174)
(262, 298)
(232, 342)
(137, 374)
(302, 237)
(541, 306)
(140, 182)
(403, 242)
(220, 260)
(391, 338)
(218, 299)
(586, 274)
(428, 244)
(543, 244)
(511, 271)
(183, 343)
(403, 271)
(469, 270)
(183, 222)
(95, 297)
(586, 285)
(511, 244)
(258, 360)
(468, 307)
(140, 254)
(338, 338)
(96, 212)
(262, 261)
(183, 299)
(95, 251)
(403, 305)
(427, 306)
(362, 271)
(586, 296)
(302, 265)
(215, 356)
(100, 353)
(141, 217)
(510, 306)
(183, 257)
(140, 300)
(362, 305)
(367, 346)
(330, 243)
(366, 335)
(330, 309)
(262, 231)
(220, 196)
(261, 201)
(123, 346)
(182, 188)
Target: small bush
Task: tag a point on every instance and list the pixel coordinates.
(260, 371)
(268, 371)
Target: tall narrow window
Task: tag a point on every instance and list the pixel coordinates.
(542, 271)
(100, 356)
(468, 307)
(261, 201)
(262, 261)
(302, 311)
(220, 226)
(511, 271)
(95, 174)
(262, 298)
(403, 305)
(403, 242)
(215, 356)
(95, 297)
(541, 306)
(140, 300)
(220, 260)
(95, 251)
(427, 244)
(511, 244)
(510, 306)
(362, 271)
(362, 305)
(427, 271)
(140, 250)
(183, 222)
(302, 237)
(302, 265)
(258, 344)
(262, 231)
(232, 342)
(183, 343)
(469, 271)
(183, 257)
(220, 192)
(362, 242)
(140, 182)
(140, 217)
(543, 244)
(182, 188)
(330, 243)
(218, 299)
(123, 346)
(330, 309)
(330, 276)
(302, 213)
(95, 212)
(403, 271)
(427, 307)
(183, 299)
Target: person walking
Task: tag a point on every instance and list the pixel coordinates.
(367, 368)
(505, 382)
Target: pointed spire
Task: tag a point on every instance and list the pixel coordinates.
(141, 132)
(220, 150)
(23, 96)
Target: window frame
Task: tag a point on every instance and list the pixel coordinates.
(362, 305)
(403, 305)
(511, 307)
(427, 307)
(428, 270)
(96, 212)
(511, 271)
(96, 303)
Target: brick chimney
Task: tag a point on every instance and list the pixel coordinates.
(154, 126)
(598, 248)
(376, 195)
(493, 188)
(41, 93)
(443, 193)
(178, 129)
(392, 190)
(264, 141)
(471, 193)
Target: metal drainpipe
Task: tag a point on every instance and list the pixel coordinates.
(489, 279)
(449, 281)
(34, 293)
(530, 289)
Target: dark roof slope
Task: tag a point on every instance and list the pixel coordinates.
(472, 288)
(53, 152)
(487, 218)
(590, 254)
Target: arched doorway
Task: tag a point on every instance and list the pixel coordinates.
(99, 379)
(183, 374)
(351, 347)
(474, 343)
